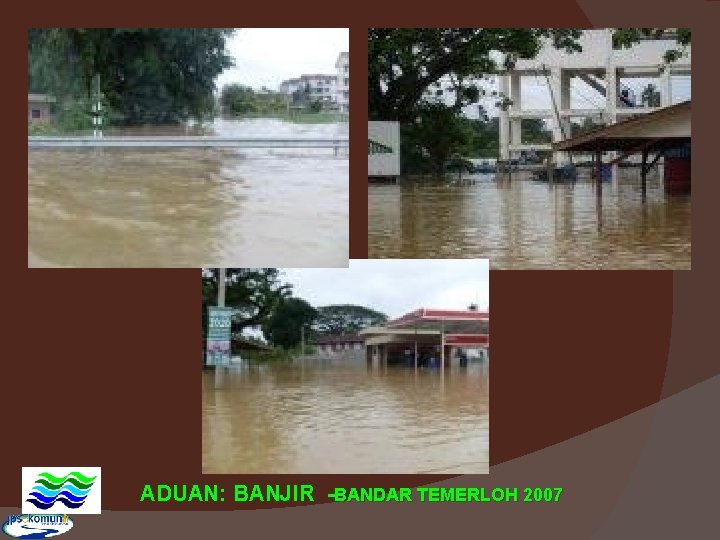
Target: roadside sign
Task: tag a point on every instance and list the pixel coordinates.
(218, 335)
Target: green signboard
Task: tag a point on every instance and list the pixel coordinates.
(375, 147)
(218, 335)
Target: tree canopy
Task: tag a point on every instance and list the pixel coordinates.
(403, 63)
(253, 292)
(238, 99)
(284, 326)
(147, 75)
(346, 319)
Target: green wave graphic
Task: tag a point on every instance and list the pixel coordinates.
(50, 485)
(61, 480)
(67, 479)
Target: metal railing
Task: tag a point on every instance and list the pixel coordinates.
(187, 142)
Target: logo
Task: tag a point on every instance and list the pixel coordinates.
(37, 526)
(67, 490)
(375, 147)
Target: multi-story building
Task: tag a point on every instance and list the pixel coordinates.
(331, 91)
(319, 88)
(289, 86)
(342, 91)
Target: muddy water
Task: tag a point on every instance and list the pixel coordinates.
(523, 224)
(191, 207)
(328, 418)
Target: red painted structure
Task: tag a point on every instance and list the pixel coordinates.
(442, 328)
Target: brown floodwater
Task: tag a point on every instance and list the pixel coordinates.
(191, 207)
(523, 224)
(325, 417)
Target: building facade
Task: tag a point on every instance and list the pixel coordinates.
(331, 91)
(39, 107)
(598, 66)
(342, 85)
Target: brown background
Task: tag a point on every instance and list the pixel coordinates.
(572, 351)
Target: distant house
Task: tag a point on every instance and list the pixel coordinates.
(339, 344)
(40, 107)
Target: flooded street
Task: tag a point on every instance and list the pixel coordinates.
(524, 224)
(321, 417)
(191, 207)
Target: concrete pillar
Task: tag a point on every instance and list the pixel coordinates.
(556, 76)
(611, 94)
(516, 96)
(612, 90)
(565, 102)
(666, 88)
(504, 119)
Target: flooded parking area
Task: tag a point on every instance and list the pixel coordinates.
(117, 207)
(524, 224)
(320, 416)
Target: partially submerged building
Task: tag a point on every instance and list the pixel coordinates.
(429, 337)
(600, 67)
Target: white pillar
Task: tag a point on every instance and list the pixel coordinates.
(611, 94)
(556, 94)
(516, 96)
(504, 119)
(666, 88)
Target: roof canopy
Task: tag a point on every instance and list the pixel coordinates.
(668, 127)
(460, 327)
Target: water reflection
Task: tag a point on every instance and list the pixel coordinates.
(191, 207)
(524, 224)
(328, 418)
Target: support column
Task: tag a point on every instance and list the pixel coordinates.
(504, 120)
(556, 104)
(516, 96)
(666, 88)
(611, 94)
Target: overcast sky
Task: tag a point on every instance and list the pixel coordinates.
(395, 287)
(267, 56)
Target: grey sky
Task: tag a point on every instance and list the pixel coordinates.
(267, 56)
(394, 286)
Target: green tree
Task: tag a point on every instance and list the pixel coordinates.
(147, 75)
(346, 319)
(627, 37)
(404, 63)
(284, 327)
(253, 292)
(238, 99)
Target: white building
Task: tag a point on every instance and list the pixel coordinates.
(342, 85)
(289, 86)
(599, 67)
(332, 91)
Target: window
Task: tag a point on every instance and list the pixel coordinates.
(35, 113)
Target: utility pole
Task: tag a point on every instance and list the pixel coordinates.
(222, 273)
(97, 108)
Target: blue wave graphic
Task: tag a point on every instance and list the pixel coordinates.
(37, 533)
(55, 492)
(67, 494)
(71, 490)
(45, 506)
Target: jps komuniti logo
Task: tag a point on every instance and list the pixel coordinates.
(37, 526)
(67, 490)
